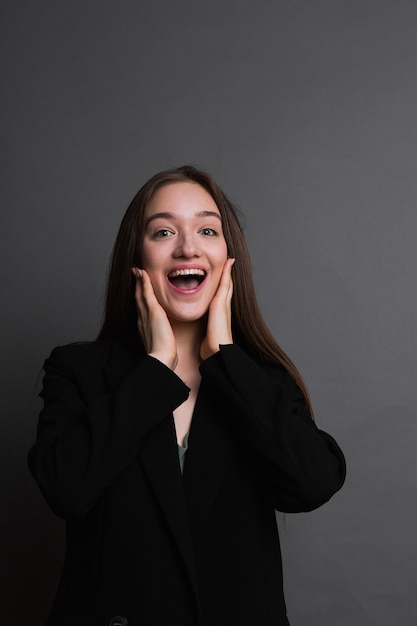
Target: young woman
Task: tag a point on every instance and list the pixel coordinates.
(169, 443)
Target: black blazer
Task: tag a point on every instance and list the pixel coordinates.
(145, 543)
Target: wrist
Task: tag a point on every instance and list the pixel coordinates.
(170, 362)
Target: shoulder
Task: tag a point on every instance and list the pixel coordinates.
(273, 369)
(238, 363)
(278, 374)
(91, 354)
(80, 352)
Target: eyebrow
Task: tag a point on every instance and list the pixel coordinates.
(172, 216)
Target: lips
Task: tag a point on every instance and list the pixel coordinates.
(187, 279)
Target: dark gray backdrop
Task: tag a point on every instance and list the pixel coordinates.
(305, 111)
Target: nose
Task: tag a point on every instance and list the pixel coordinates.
(187, 245)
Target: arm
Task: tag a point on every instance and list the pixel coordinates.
(85, 440)
(302, 465)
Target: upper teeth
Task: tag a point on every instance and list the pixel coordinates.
(187, 272)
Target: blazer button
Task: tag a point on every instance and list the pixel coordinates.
(118, 620)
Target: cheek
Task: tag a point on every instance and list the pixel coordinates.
(222, 257)
(221, 260)
(157, 280)
(144, 259)
(151, 261)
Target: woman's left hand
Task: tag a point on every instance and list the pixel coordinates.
(219, 323)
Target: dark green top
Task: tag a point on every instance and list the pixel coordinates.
(181, 452)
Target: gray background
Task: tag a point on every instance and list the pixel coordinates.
(305, 112)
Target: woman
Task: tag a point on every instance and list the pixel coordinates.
(169, 443)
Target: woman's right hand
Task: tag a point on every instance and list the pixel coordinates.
(153, 324)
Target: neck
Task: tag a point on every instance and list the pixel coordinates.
(188, 336)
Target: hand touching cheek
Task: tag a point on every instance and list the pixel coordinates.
(219, 323)
(153, 324)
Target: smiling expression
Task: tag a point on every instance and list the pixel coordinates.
(183, 250)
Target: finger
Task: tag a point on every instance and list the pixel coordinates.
(147, 289)
(142, 309)
(149, 304)
(227, 269)
(230, 292)
(226, 282)
(138, 274)
(147, 285)
(144, 288)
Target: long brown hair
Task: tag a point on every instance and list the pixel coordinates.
(120, 315)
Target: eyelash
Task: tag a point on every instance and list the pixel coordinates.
(162, 234)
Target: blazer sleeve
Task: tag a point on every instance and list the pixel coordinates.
(82, 443)
(301, 465)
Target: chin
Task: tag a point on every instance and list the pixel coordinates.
(184, 317)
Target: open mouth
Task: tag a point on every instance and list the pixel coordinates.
(189, 278)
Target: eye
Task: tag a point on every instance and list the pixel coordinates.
(162, 234)
(208, 232)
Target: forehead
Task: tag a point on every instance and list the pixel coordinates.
(181, 198)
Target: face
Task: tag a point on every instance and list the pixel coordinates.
(184, 250)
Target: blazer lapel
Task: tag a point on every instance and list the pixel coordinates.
(208, 455)
(158, 455)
